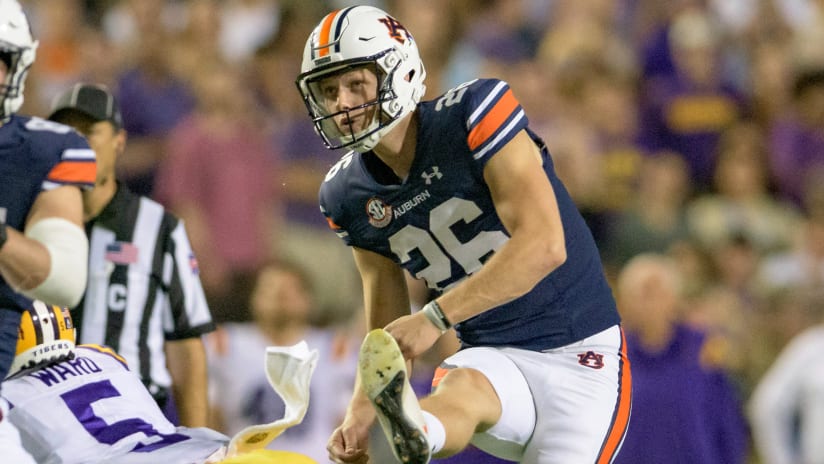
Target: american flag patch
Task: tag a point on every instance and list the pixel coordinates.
(121, 253)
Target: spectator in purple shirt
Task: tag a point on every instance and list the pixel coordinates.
(685, 409)
(153, 100)
(797, 139)
(685, 111)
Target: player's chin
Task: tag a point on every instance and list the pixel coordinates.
(350, 126)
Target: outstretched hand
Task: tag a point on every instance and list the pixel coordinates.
(414, 334)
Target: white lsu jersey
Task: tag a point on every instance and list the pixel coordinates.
(93, 409)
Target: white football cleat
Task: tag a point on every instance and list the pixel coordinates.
(384, 380)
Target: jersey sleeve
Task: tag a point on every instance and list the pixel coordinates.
(77, 165)
(493, 117)
(332, 194)
(189, 314)
(330, 213)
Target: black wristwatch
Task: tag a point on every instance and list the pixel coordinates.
(3, 235)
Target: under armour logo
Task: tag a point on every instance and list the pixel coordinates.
(591, 359)
(395, 29)
(436, 174)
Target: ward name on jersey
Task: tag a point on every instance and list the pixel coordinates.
(440, 222)
(37, 155)
(114, 416)
(57, 373)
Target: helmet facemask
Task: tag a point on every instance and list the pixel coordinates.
(11, 89)
(337, 135)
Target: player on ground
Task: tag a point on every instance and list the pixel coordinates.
(82, 404)
(43, 166)
(459, 192)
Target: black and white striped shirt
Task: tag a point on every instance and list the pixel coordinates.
(143, 285)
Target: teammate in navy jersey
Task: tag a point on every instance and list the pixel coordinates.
(459, 192)
(43, 168)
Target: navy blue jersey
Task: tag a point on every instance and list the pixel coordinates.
(440, 223)
(37, 155)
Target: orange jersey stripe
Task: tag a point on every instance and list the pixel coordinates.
(325, 29)
(73, 172)
(621, 421)
(493, 120)
(332, 224)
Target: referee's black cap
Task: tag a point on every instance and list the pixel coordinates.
(93, 100)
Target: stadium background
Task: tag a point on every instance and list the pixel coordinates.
(693, 128)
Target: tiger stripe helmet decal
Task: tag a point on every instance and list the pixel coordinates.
(46, 335)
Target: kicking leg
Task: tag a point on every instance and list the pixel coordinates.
(465, 403)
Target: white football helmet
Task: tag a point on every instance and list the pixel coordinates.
(17, 50)
(355, 37)
(46, 336)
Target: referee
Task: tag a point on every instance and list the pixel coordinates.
(144, 297)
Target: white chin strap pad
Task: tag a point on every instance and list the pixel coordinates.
(69, 251)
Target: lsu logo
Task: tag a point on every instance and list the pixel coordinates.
(395, 29)
(380, 214)
(591, 359)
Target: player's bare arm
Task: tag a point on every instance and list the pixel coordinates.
(525, 202)
(26, 262)
(385, 295)
(386, 298)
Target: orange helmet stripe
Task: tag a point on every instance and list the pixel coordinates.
(325, 30)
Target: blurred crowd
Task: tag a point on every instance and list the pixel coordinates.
(688, 129)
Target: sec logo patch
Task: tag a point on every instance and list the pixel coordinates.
(380, 214)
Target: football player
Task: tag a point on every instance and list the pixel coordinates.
(82, 404)
(43, 167)
(77, 404)
(460, 192)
